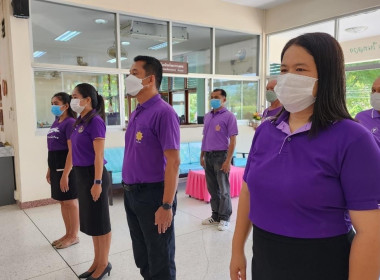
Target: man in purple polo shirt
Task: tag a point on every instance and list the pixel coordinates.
(218, 144)
(371, 118)
(150, 172)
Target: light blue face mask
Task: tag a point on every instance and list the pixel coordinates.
(270, 96)
(215, 103)
(56, 110)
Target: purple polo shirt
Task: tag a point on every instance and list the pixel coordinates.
(218, 127)
(370, 119)
(59, 133)
(152, 129)
(302, 186)
(82, 139)
(270, 113)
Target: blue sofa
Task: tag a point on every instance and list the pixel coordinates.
(114, 158)
(190, 154)
(240, 161)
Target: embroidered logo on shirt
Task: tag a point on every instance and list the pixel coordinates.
(374, 130)
(139, 136)
(81, 128)
(217, 128)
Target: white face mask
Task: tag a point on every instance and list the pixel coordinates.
(133, 85)
(75, 105)
(375, 101)
(295, 92)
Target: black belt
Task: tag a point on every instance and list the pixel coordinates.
(215, 152)
(137, 187)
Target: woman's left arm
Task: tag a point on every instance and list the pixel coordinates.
(365, 249)
(96, 189)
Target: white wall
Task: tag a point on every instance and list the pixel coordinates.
(300, 12)
(30, 144)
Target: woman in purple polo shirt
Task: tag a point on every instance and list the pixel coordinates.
(91, 176)
(327, 170)
(371, 118)
(59, 174)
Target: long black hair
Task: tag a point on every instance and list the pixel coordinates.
(97, 101)
(66, 99)
(330, 102)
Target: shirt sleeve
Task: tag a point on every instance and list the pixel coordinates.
(97, 128)
(232, 126)
(169, 133)
(360, 174)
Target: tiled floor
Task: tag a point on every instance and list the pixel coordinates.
(202, 252)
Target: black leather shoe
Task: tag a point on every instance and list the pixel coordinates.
(106, 270)
(86, 274)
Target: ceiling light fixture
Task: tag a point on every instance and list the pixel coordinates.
(125, 43)
(38, 54)
(68, 35)
(100, 21)
(161, 46)
(356, 29)
(113, 60)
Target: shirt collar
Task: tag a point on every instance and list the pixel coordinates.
(375, 114)
(224, 109)
(149, 102)
(282, 124)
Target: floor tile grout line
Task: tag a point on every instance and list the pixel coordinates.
(204, 249)
(34, 277)
(50, 243)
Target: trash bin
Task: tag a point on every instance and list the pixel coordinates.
(7, 176)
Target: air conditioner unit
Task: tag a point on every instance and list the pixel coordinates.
(152, 31)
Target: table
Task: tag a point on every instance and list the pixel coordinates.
(196, 183)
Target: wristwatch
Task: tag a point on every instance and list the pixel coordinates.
(97, 182)
(167, 206)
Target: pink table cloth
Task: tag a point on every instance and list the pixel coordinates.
(196, 183)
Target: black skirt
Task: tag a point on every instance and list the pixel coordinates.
(280, 257)
(93, 215)
(56, 162)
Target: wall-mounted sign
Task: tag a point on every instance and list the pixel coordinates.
(364, 49)
(174, 67)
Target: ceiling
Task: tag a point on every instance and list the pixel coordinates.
(50, 20)
(260, 4)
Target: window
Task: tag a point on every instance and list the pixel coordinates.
(186, 95)
(47, 83)
(236, 53)
(192, 44)
(71, 35)
(358, 89)
(241, 97)
(278, 41)
(359, 37)
(140, 36)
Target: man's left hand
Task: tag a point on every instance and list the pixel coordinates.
(226, 166)
(163, 219)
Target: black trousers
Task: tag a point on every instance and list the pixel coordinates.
(154, 253)
(279, 257)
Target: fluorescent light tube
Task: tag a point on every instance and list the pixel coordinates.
(38, 53)
(68, 35)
